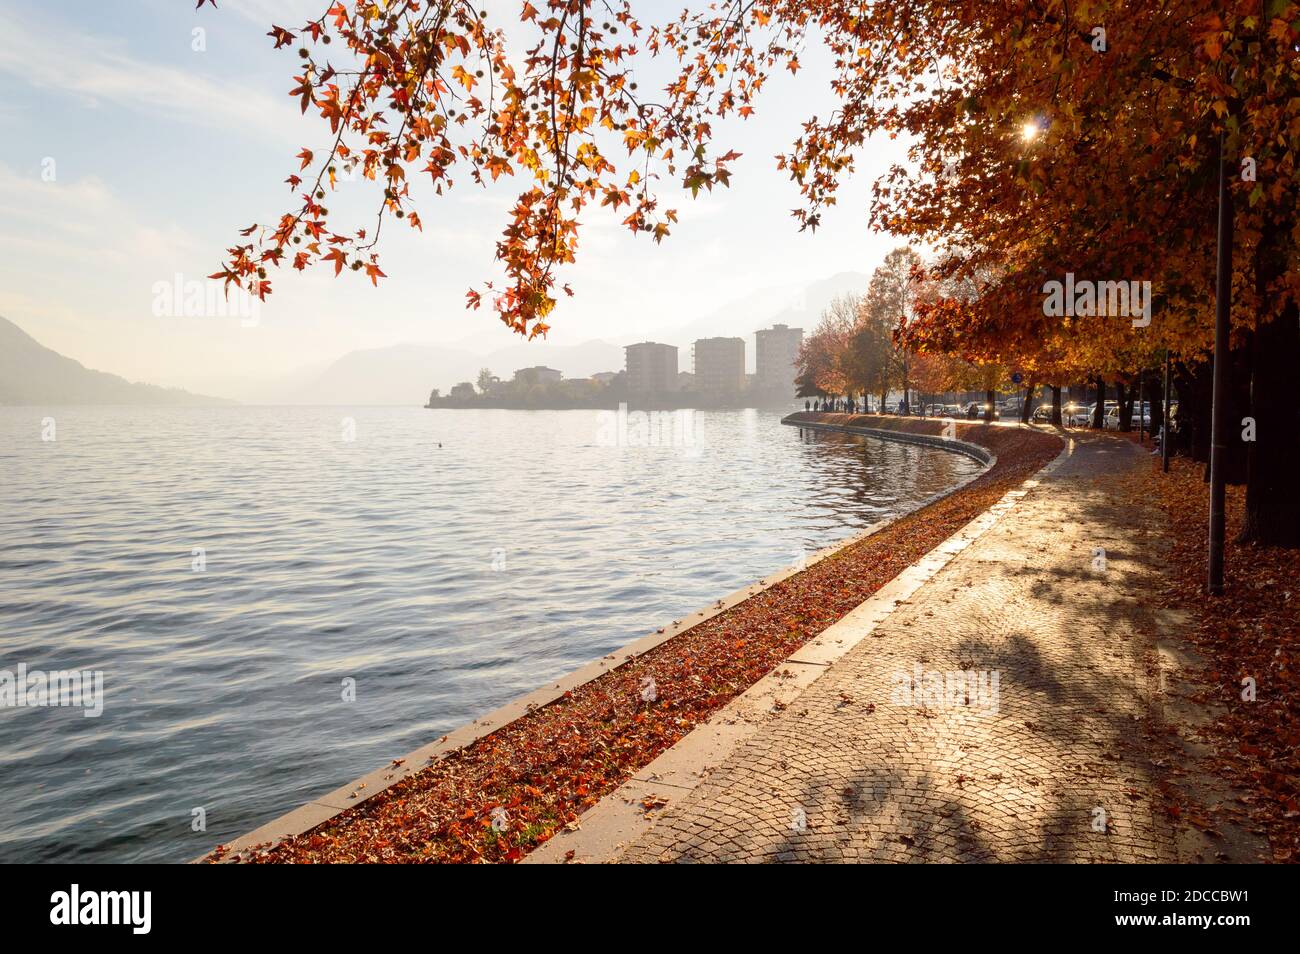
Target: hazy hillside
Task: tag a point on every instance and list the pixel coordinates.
(31, 373)
(793, 306)
(405, 373)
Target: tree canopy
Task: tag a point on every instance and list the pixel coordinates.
(1051, 141)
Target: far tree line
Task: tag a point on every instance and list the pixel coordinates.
(861, 348)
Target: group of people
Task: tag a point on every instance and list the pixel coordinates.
(848, 405)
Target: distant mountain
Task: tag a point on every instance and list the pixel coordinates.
(576, 361)
(31, 373)
(405, 373)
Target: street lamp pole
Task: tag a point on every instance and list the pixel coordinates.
(1142, 381)
(1219, 412)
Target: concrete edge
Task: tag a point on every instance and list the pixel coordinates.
(605, 829)
(981, 454)
(321, 809)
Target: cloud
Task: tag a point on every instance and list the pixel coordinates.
(98, 69)
(81, 221)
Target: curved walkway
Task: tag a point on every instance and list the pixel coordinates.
(1008, 711)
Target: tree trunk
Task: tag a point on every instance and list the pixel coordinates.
(1273, 457)
(1124, 396)
(1156, 401)
(988, 407)
(1195, 386)
(1241, 366)
(1099, 412)
(1056, 405)
(1025, 408)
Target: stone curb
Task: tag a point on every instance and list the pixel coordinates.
(606, 828)
(980, 454)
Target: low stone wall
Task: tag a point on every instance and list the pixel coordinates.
(810, 420)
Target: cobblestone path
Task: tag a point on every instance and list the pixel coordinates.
(1005, 713)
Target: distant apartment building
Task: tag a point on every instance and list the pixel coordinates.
(651, 368)
(538, 375)
(719, 365)
(776, 350)
(604, 377)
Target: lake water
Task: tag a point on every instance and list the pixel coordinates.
(444, 560)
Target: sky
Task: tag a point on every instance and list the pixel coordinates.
(129, 157)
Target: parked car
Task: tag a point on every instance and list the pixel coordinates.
(1081, 416)
(1076, 415)
(1111, 420)
(1043, 414)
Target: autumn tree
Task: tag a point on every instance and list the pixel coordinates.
(891, 302)
(1048, 139)
(824, 357)
(871, 362)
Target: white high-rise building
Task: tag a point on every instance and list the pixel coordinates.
(776, 350)
(651, 368)
(719, 365)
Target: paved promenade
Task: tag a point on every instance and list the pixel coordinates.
(1007, 712)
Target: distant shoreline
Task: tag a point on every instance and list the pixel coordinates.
(696, 403)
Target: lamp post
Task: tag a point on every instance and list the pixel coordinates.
(1142, 380)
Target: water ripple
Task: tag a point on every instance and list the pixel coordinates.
(443, 580)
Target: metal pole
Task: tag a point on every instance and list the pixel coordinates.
(1142, 380)
(1165, 432)
(1219, 412)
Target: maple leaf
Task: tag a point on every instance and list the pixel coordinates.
(338, 257)
(463, 76)
(281, 36)
(497, 165)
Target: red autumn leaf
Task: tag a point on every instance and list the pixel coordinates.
(281, 36)
(336, 256)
